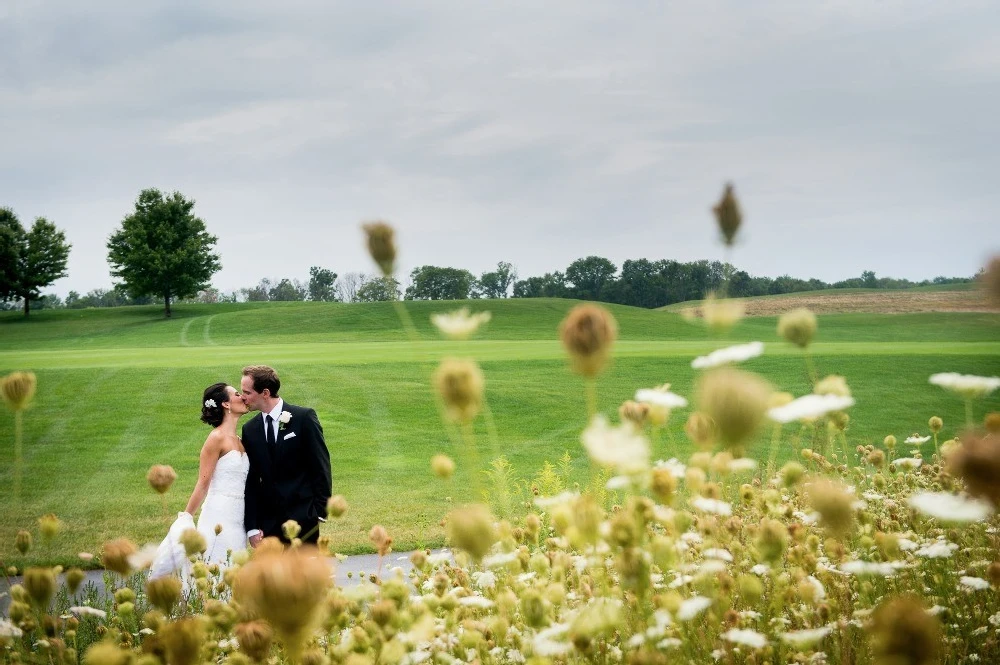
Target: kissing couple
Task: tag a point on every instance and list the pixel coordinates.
(248, 487)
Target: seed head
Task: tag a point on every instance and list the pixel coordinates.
(108, 653)
(18, 389)
(116, 555)
(663, 485)
(935, 424)
(380, 539)
(255, 639)
(460, 384)
(992, 422)
(183, 640)
(721, 314)
(291, 529)
(991, 280)
(772, 539)
(833, 385)
(834, 504)
(797, 326)
(40, 583)
(163, 593)
(735, 401)
(889, 442)
(976, 460)
(49, 527)
(381, 245)
(74, 578)
(700, 429)
(442, 466)
(792, 474)
(903, 633)
(588, 333)
(636, 412)
(161, 477)
(471, 528)
(23, 541)
(337, 506)
(287, 590)
(727, 214)
(193, 542)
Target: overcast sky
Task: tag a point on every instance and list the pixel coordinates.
(860, 134)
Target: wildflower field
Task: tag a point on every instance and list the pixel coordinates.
(615, 485)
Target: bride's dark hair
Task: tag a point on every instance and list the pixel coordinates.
(214, 415)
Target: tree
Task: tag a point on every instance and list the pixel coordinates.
(287, 290)
(321, 283)
(29, 260)
(378, 289)
(347, 286)
(163, 249)
(495, 284)
(435, 283)
(589, 276)
(550, 285)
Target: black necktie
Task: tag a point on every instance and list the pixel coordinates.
(270, 430)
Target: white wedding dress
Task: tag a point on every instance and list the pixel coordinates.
(222, 509)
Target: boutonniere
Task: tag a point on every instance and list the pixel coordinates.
(283, 420)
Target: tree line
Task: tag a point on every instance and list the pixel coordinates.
(162, 253)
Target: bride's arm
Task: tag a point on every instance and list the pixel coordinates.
(206, 467)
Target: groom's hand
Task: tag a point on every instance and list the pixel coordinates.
(255, 540)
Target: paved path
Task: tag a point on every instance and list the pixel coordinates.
(351, 571)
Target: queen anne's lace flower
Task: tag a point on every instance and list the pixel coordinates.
(916, 440)
(716, 506)
(731, 354)
(974, 583)
(966, 385)
(621, 448)
(809, 406)
(950, 507)
(459, 324)
(807, 637)
(662, 398)
(692, 607)
(750, 638)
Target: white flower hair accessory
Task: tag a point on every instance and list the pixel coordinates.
(211, 403)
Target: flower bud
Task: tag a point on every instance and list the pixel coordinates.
(161, 477)
(193, 542)
(797, 326)
(183, 640)
(700, 429)
(116, 555)
(18, 389)
(991, 280)
(471, 528)
(587, 333)
(336, 507)
(460, 384)
(74, 578)
(380, 539)
(22, 541)
(935, 424)
(291, 529)
(40, 583)
(163, 593)
(381, 245)
(727, 215)
(442, 466)
(255, 639)
(735, 401)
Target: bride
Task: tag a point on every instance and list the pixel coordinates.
(222, 472)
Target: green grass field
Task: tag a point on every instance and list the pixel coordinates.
(119, 390)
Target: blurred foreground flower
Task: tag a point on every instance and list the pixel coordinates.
(18, 389)
(991, 280)
(735, 401)
(460, 384)
(621, 448)
(588, 332)
(950, 507)
(459, 324)
(902, 632)
(728, 215)
(976, 460)
(797, 326)
(381, 245)
(967, 385)
(161, 477)
(471, 528)
(721, 314)
(809, 407)
(731, 354)
(442, 466)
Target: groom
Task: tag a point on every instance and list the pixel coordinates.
(289, 463)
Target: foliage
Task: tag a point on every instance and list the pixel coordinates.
(162, 249)
(29, 260)
(321, 284)
(496, 283)
(436, 283)
(378, 289)
(287, 290)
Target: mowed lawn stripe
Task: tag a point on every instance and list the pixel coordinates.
(359, 353)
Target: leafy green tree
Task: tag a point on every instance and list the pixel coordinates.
(589, 276)
(287, 290)
(496, 283)
(378, 289)
(30, 260)
(549, 285)
(163, 249)
(321, 284)
(436, 283)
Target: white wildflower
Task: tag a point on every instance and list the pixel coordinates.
(459, 324)
(938, 550)
(437, 558)
(807, 637)
(618, 447)
(675, 466)
(966, 385)
(906, 545)
(907, 462)
(546, 643)
(500, 559)
(660, 397)
(618, 483)
(669, 643)
(692, 607)
(974, 583)
(917, 440)
(950, 507)
(742, 465)
(936, 610)
(7, 629)
(717, 553)
(484, 579)
(820, 590)
(712, 567)
(415, 657)
(750, 638)
(707, 505)
(87, 610)
(994, 619)
(476, 601)
(750, 614)
(761, 569)
(877, 568)
(142, 559)
(544, 502)
(809, 406)
(526, 577)
(731, 354)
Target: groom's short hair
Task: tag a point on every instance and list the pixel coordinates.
(264, 378)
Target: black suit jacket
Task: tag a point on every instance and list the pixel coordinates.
(289, 480)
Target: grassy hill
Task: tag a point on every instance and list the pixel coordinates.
(119, 391)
